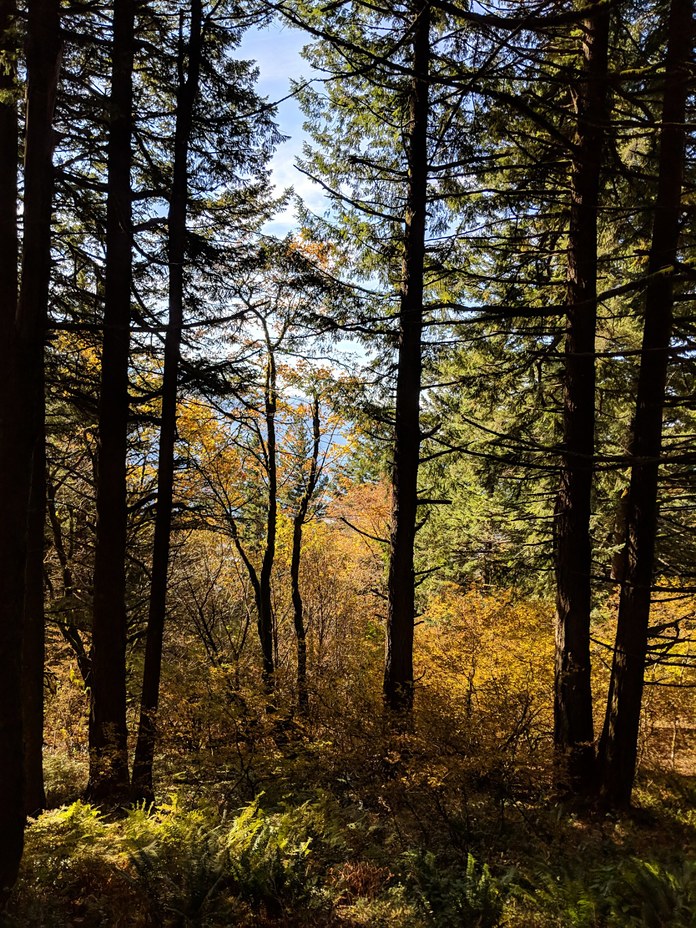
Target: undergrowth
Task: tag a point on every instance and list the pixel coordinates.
(330, 863)
(333, 820)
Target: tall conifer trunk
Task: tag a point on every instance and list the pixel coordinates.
(573, 725)
(618, 749)
(108, 754)
(147, 732)
(13, 496)
(398, 670)
(33, 638)
(44, 49)
(22, 328)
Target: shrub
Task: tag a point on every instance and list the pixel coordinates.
(448, 897)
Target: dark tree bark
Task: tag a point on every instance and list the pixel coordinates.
(108, 750)
(619, 743)
(264, 602)
(398, 670)
(261, 579)
(143, 787)
(9, 243)
(33, 643)
(13, 465)
(297, 526)
(22, 327)
(44, 49)
(67, 629)
(573, 724)
(618, 560)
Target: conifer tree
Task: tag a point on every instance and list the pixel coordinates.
(109, 780)
(12, 507)
(385, 149)
(189, 65)
(23, 326)
(573, 725)
(619, 743)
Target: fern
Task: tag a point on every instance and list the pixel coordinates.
(266, 857)
(565, 895)
(647, 894)
(192, 867)
(630, 894)
(448, 898)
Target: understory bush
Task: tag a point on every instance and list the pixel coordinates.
(451, 898)
(630, 893)
(327, 863)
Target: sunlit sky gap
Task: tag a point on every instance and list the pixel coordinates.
(276, 49)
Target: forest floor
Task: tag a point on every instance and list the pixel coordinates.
(302, 826)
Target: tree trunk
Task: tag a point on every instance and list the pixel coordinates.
(143, 787)
(22, 328)
(67, 629)
(44, 49)
(398, 670)
(108, 752)
(619, 743)
(298, 617)
(297, 525)
(618, 560)
(261, 580)
(264, 600)
(573, 725)
(33, 643)
(13, 495)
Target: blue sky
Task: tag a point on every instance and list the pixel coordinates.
(276, 50)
